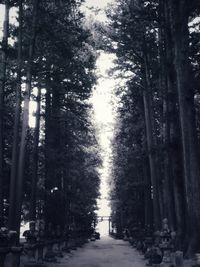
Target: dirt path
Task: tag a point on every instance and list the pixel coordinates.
(106, 252)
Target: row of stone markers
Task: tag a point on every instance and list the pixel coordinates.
(41, 246)
(160, 247)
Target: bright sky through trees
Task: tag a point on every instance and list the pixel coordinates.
(103, 99)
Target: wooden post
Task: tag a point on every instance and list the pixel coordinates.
(109, 221)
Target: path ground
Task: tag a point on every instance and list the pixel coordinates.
(106, 252)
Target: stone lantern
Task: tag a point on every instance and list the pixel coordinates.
(166, 242)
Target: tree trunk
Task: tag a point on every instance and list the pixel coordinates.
(149, 134)
(24, 131)
(15, 148)
(175, 136)
(47, 135)
(56, 120)
(147, 194)
(2, 90)
(48, 148)
(179, 18)
(168, 192)
(35, 159)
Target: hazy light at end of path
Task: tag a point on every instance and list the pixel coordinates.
(104, 116)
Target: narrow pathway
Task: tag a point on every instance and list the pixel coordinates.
(106, 252)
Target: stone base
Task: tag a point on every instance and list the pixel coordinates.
(166, 264)
(15, 255)
(148, 264)
(58, 254)
(79, 244)
(3, 253)
(50, 257)
(34, 264)
(41, 264)
(72, 244)
(66, 249)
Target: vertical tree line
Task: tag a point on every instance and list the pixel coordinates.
(2, 96)
(49, 171)
(156, 145)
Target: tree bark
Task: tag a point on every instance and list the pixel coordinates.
(2, 91)
(150, 143)
(48, 147)
(35, 159)
(148, 207)
(15, 148)
(168, 192)
(24, 131)
(179, 20)
(175, 136)
(47, 134)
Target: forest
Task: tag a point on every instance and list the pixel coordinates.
(156, 170)
(50, 171)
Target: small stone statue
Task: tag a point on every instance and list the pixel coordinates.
(31, 235)
(31, 238)
(166, 242)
